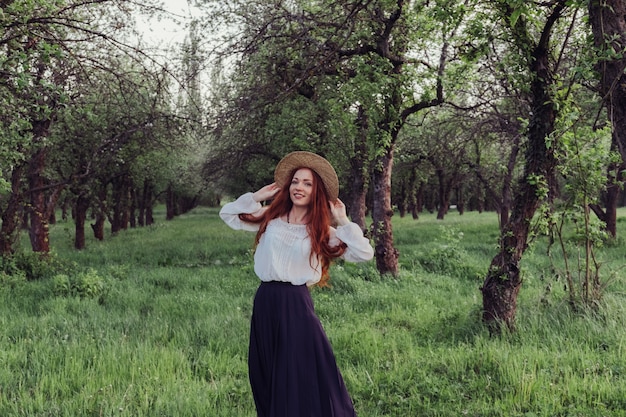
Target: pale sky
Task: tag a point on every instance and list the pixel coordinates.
(165, 31)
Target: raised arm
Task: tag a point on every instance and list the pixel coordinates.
(266, 192)
(249, 203)
(359, 248)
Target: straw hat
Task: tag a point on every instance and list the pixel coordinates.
(303, 159)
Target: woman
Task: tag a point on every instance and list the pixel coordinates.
(292, 369)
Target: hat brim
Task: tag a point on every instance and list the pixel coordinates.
(303, 159)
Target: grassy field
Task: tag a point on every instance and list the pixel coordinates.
(154, 322)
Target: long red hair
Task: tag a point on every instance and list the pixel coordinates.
(318, 226)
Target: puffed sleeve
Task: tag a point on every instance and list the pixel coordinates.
(243, 205)
(358, 249)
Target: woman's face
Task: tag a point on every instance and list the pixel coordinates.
(301, 187)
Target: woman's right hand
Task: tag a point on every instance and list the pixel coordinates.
(266, 192)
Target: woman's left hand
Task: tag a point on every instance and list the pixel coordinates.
(338, 211)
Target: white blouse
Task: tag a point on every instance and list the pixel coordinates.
(283, 253)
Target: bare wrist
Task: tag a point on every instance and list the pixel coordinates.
(342, 221)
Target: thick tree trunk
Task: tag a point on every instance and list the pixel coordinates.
(503, 281)
(503, 215)
(386, 254)
(608, 23)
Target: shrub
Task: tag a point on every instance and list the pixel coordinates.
(447, 256)
(32, 265)
(87, 284)
(11, 280)
(61, 285)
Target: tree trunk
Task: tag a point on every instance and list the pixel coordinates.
(186, 204)
(444, 194)
(386, 254)
(412, 194)
(127, 202)
(507, 199)
(141, 204)
(146, 202)
(121, 204)
(116, 218)
(149, 215)
(460, 200)
(38, 231)
(100, 209)
(64, 208)
(82, 205)
(132, 209)
(357, 196)
(503, 281)
(357, 192)
(9, 229)
(608, 216)
(608, 24)
(402, 198)
(430, 198)
(418, 205)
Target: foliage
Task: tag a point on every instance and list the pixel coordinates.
(446, 256)
(583, 155)
(32, 265)
(302, 74)
(11, 280)
(118, 125)
(86, 284)
(80, 99)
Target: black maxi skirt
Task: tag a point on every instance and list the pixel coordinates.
(292, 368)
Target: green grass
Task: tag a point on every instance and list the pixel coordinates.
(165, 331)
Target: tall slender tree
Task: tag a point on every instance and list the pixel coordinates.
(531, 32)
